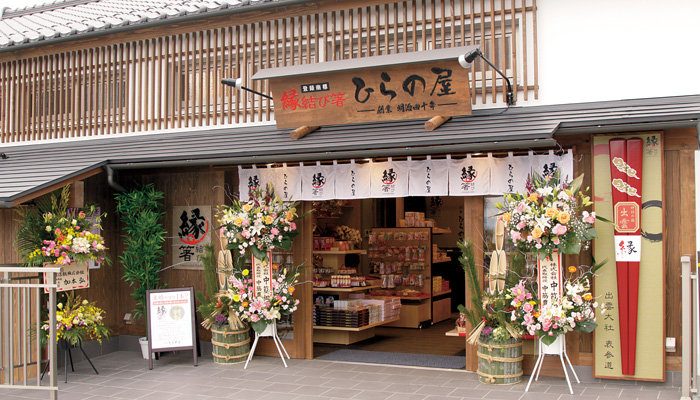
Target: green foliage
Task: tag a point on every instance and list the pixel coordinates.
(141, 212)
(211, 283)
(477, 313)
(32, 229)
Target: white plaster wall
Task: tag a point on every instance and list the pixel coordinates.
(594, 50)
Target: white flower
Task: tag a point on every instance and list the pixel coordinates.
(543, 221)
(48, 228)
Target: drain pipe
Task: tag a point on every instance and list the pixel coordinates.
(110, 180)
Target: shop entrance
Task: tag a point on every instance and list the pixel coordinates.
(387, 280)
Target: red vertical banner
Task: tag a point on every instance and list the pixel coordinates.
(626, 180)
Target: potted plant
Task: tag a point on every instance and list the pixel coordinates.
(141, 213)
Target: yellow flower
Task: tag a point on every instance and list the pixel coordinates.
(268, 219)
(60, 306)
(551, 212)
(85, 302)
(236, 297)
(564, 217)
(289, 216)
(587, 296)
(505, 217)
(238, 221)
(247, 207)
(537, 232)
(246, 272)
(532, 197)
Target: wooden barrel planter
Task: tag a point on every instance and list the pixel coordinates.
(230, 346)
(500, 363)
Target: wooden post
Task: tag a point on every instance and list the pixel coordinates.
(474, 231)
(77, 195)
(302, 131)
(435, 122)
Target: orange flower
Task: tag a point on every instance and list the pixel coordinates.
(275, 266)
(572, 269)
(537, 232)
(291, 289)
(532, 197)
(587, 296)
(564, 217)
(551, 212)
(505, 217)
(536, 314)
(244, 304)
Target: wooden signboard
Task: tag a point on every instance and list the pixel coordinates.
(389, 92)
(171, 321)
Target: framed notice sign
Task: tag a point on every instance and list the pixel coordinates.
(171, 321)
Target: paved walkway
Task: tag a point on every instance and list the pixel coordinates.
(125, 375)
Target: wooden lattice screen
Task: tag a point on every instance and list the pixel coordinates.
(173, 81)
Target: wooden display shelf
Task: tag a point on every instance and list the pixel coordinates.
(441, 260)
(441, 293)
(439, 231)
(455, 333)
(346, 336)
(362, 328)
(345, 289)
(338, 252)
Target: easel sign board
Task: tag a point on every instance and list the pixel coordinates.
(171, 321)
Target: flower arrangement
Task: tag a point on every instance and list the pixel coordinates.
(78, 320)
(549, 217)
(261, 224)
(575, 311)
(346, 233)
(240, 305)
(55, 234)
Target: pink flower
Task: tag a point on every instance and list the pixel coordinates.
(527, 307)
(559, 229)
(521, 225)
(514, 235)
(292, 226)
(275, 231)
(254, 318)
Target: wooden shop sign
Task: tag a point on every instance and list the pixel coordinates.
(372, 89)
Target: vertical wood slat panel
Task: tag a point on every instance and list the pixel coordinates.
(187, 97)
(503, 64)
(218, 100)
(494, 76)
(207, 79)
(524, 42)
(513, 44)
(244, 72)
(482, 41)
(237, 73)
(159, 81)
(534, 48)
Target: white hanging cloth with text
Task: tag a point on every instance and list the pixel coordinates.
(389, 179)
(317, 182)
(428, 178)
(352, 181)
(470, 176)
(250, 179)
(287, 182)
(510, 174)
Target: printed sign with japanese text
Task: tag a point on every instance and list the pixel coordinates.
(74, 276)
(191, 227)
(549, 279)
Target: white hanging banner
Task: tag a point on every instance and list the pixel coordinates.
(389, 179)
(428, 178)
(545, 164)
(470, 176)
(250, 179)
(287, 182)
(352, 181)
(510, 174)
(566, 165)
(317, 182)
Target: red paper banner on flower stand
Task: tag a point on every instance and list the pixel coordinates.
(549, 279)
(262, 276)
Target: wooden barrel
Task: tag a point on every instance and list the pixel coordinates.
(229, 346)
(500, 363)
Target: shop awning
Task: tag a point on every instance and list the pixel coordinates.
(27, 171)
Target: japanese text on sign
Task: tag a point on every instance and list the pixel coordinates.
(262, 276)
(549, 277)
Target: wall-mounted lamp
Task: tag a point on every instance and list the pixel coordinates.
(465, 60)
(238, 84)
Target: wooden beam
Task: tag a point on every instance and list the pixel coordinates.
(435, 122)
(77, 195)
(302, 131)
